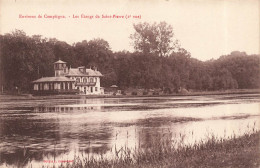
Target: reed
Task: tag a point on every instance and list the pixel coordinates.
(164, 151)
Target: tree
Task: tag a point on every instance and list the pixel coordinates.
(24, 59)
(154, 38)
(95, 52)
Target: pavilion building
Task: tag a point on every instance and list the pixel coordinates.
(69, 81)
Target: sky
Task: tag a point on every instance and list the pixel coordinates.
(205, 28)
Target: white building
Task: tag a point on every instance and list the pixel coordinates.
(70, 80)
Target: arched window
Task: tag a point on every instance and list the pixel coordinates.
(77, 80)
(85, 80)
(91, 80)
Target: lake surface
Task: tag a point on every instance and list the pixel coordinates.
(35, 131)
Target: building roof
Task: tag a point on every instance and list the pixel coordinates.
(53, 79)
(59, 62)
(89, 72)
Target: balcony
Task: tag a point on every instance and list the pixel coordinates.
(85, 84)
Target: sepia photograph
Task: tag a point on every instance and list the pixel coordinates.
(130, 83)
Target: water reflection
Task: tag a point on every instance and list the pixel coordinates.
(22, 138)
(36, 130)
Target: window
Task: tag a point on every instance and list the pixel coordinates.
(55, 86)
(84, 80)
(40, 86)
(46, 86)
(66, 85)
(77, 80)
(91, 80)
(58, 85)
(61, 87)
(35, 86)
(96, 89)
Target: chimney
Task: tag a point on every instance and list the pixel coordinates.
(95, 68)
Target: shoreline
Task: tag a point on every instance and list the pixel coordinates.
(196, 93)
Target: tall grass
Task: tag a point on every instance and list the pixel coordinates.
(164, 151)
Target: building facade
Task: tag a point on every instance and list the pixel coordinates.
(70, 80)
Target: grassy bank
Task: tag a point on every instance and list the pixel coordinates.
(235, 152)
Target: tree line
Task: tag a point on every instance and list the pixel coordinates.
(158, 62)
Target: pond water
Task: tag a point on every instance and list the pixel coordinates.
(35, 131)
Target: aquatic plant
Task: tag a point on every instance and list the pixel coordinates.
(164, 151)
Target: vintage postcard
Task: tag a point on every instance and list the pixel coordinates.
(127, 83)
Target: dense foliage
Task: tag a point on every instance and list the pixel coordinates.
(154, 38)
(24, 59)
